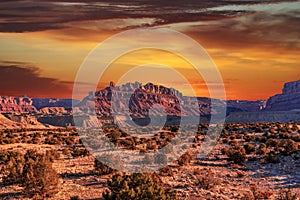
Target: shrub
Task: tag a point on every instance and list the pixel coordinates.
(289, 146)
(38, 176)
(136, 187)
(166, 171)
(262, 139)
(262, 150)
(272, 143)
(100, 164)
(272, 158)
(225, 140)
(114, 136)
(174, 129)
(185, 159)
(284, 135)
(249, 148)
(287, 194)
(80, 152)
(260, 194)
(236, 154)
(66, 151)
(14, 162)
(74, 198)
(102, 169)
(52, 155)
(206, 179)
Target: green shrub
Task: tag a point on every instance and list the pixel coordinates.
(137, 187)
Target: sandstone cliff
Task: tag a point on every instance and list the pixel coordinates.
(16, 105)
(142, 98)
(288, 100)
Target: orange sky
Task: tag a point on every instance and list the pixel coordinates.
(256, 50)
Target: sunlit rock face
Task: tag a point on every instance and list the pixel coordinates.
(288, 100)
(139, 100)
(16, 105)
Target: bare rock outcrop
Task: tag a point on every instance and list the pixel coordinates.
(16, 105)
(288, 100)
(53, 111)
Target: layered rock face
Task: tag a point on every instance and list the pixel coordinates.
(20, 112)
(139, 100)
(288, 100)
(16, 105)
(136, 99)
(21, 105)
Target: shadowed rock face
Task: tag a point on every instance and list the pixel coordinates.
(40, 103)
(289, 99)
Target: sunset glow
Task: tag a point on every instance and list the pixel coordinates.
(255, 47)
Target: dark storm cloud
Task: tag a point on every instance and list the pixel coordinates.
(266, 31)
(18, 78)
(28, 16)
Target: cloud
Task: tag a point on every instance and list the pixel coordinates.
(19, 78)
(30, 16)
(264, 31)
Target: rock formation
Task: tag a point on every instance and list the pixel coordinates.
(142, 98)
(53, 102)
(16, 105)
(288, 100)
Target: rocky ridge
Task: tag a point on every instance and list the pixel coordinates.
(142, 98)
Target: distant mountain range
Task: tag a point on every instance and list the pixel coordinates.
(141, 98)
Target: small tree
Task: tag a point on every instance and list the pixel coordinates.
(136, 187)
(38, 177)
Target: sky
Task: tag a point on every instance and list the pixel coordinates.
(254, 44)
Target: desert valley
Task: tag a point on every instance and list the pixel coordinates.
(256, 155)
